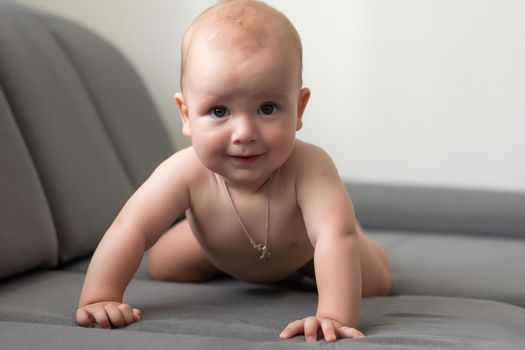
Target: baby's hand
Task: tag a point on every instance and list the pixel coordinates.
(107, 315)
(312, 326)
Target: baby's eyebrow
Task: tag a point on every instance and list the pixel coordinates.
(271, 96)
(211, 98)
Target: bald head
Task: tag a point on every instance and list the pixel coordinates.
(244, 26)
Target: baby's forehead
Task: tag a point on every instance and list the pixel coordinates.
(241, 24)
(221, 35)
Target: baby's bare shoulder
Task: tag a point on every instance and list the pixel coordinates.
(309, 157)
(181, 166)
(164, 195)
(313, 168)
(184, 162)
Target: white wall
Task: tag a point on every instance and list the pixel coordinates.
(406, 91)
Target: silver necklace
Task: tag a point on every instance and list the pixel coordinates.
(260, 247)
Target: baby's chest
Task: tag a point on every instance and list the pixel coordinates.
(227, 228)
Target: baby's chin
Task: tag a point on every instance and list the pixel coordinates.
(244, 177)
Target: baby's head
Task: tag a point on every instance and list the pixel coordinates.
(242, 26)
(241, 101)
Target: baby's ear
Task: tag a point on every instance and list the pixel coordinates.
(183, 112)
(304, 96)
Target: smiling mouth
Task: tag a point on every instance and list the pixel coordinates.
(245, 160)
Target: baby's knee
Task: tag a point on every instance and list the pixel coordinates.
(380, 287)
(385, 286)
(154, 272)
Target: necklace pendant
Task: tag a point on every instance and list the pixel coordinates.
(265, 254)
(263, 250)
(260, 247)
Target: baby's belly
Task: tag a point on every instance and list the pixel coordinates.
(230, 250)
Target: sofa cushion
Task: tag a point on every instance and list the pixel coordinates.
(435, 209)
(122, 103)
(88, 124)
(27, 234)
(237, 315)
(454, 265)
(438, 264)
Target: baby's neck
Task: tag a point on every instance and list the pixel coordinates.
(246, 188)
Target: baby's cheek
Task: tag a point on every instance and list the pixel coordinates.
(208, 155)
(284, 147)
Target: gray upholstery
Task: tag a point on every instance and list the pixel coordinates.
(236, 315)
(24, 244)
(78, 133)
(87, 122)
(456, 265)
(434, 209)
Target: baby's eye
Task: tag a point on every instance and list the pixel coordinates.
(220, 111)
(267, 109)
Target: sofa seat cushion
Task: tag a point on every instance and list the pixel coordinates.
(236, 315)
(439, 264)
(454, 265)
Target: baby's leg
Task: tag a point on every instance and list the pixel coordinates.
(375, 267)
(177, 256)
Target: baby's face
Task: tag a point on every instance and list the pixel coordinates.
(242, 108)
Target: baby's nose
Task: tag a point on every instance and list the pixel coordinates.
(244, 130)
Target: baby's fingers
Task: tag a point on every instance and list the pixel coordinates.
(293, 328)
(121, 315)
(328, 330)
(101, 318)
(84, 318)
(128, 314)
(311, 327)
(115, 315)
(349, 332)
(107, 315)
(137, 315)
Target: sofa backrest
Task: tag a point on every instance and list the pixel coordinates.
(78, 134)
(446, 210)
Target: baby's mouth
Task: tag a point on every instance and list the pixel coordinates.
(245, 159)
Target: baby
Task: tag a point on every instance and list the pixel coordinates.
(260, 204)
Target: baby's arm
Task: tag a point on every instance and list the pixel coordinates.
(331, 226)
(141, 222)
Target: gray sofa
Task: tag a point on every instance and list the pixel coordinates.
(78, 133)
